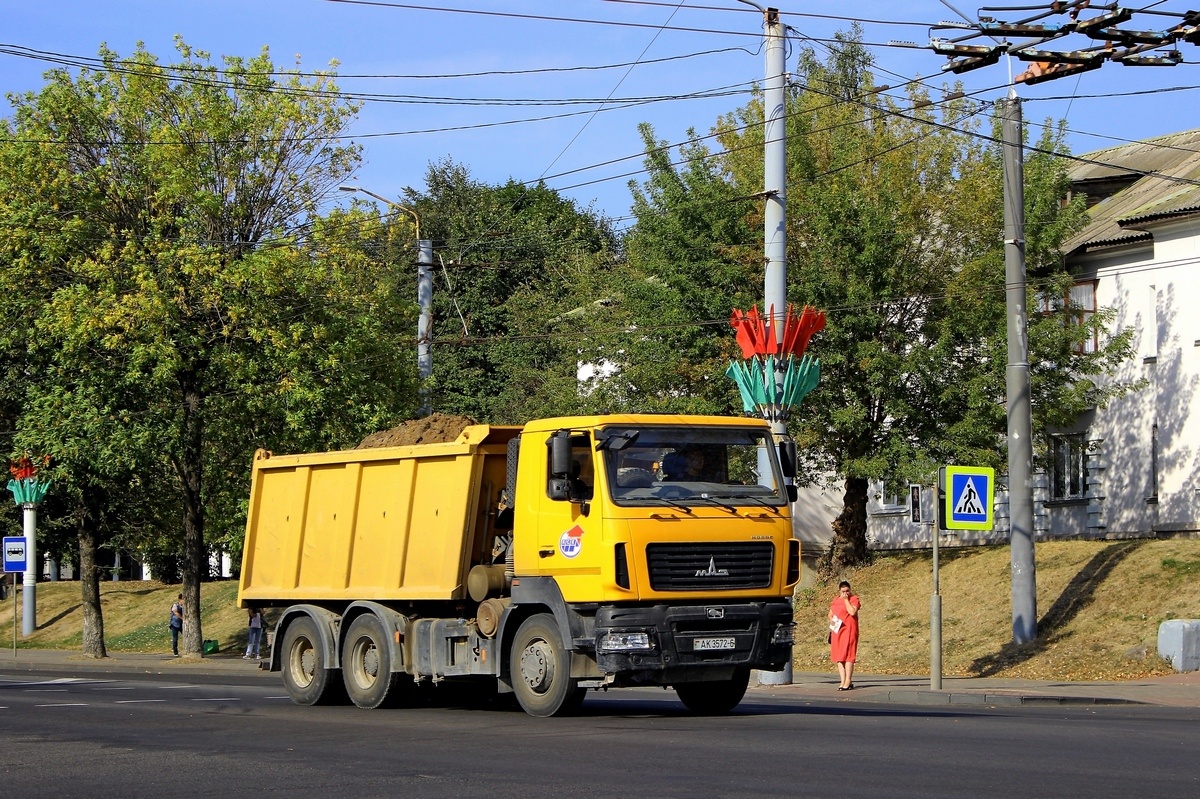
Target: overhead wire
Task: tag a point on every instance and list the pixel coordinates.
(94, 62)
(621, 176)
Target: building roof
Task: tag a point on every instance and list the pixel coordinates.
(1138, 185)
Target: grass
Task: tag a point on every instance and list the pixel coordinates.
(135, 617)
(1099, 603)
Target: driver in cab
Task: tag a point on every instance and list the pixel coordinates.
(685, 465)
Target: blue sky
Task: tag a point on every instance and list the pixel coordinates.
(724, 58)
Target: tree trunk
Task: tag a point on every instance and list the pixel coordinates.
(89, 582)
(849, 546)
(190, 467)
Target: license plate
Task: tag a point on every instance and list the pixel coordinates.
(710, 644)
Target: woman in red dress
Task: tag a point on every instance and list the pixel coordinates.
(843, 633)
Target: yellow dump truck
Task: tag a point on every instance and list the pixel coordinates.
(568, 554)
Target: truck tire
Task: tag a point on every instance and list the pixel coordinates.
(367, 665)
(714, 698)
(302, 658)
(541, 669)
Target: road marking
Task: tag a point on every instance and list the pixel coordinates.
(59, 681)
(218, 699)
(285, 696)
(130, 688)
(45, 691)
(66, 704)
(136, 701)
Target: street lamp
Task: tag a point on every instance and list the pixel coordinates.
(424, 300)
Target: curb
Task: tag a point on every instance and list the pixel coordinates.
(1003, 699)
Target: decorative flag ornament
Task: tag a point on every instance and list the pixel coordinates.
(776, 373)
(27, 488)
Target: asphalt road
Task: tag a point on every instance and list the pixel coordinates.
(149, 736)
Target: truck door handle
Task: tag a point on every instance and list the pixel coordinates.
(545, 553)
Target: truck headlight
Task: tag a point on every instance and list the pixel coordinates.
(625, 642)
(784, 634)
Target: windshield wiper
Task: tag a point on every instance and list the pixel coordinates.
(668, 502)
(717, 502)
(760, 501)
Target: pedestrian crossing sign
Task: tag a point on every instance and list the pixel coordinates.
(969, 493)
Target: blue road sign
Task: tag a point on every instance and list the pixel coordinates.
(14, 554)
(970, 495)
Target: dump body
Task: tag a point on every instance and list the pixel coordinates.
(388, 524)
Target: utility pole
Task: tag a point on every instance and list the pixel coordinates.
(775, 176)
(1020, 426)
(424, 303)
(424, 322)
(774, 220)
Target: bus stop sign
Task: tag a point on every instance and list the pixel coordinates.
(14, 554)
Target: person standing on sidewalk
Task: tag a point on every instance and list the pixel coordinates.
(176, 624)
(254, 635)
(843, 634)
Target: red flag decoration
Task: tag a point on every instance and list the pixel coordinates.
(756, 335)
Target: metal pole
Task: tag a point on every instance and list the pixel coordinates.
(935, 621)
(775, 173)
(425, 323)
(29, 579)
(774, 216)
(424, 302)
(1020, 426)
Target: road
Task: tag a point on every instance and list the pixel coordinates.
(148, 736)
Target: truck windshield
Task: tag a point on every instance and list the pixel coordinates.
(695, 466)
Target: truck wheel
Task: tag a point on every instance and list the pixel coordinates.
(714, 698)
(307, 681)
(541, 669)
(367, 665)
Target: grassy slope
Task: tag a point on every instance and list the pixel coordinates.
(1100, 604)
(135, 616)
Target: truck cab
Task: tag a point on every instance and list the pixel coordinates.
(664, 543)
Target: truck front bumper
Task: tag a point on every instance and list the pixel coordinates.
(669, 644)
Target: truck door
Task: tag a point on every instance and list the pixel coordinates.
(569, 534)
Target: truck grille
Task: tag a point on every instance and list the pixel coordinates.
(700, 567)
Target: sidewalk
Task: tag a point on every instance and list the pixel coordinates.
(1174, 690)
(59, 660)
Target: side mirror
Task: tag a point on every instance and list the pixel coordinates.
(792, 493)
(560, 454)
(558, 487)
(787, 457)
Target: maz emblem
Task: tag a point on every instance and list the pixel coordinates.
(715, 613)
(712, 570)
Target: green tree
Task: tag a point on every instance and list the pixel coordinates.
(509, 262)
(893, 229)
(187, 302)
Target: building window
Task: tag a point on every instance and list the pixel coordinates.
(889, 500)
(1068, 468)
(1080, 305)
(1083, 308)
